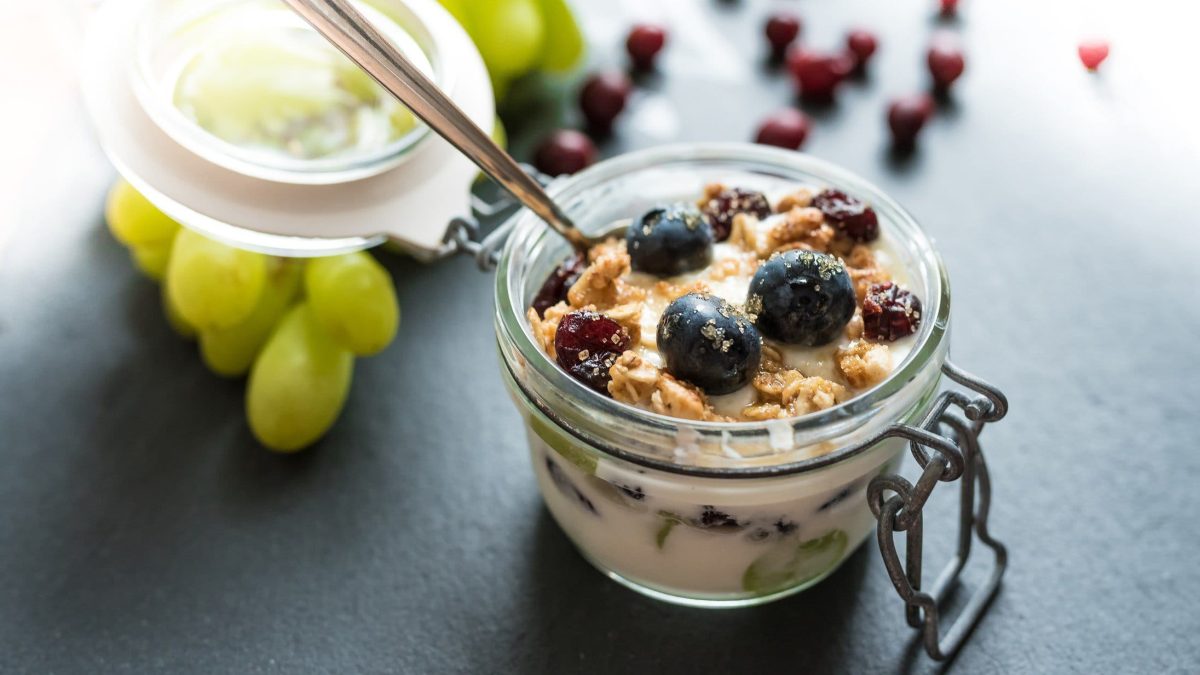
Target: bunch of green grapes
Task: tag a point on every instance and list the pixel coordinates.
(294, 326)
(516, 37)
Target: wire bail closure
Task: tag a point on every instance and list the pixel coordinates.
(943, 459)
(464, 235)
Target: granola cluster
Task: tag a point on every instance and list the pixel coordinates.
(778, 389)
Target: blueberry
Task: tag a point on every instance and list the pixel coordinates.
(709, 343)
(801, 297)
(670, 240)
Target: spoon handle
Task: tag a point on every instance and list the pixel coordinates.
(353, 34)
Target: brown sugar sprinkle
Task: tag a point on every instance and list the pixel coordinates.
(800, 198)
(864, 364)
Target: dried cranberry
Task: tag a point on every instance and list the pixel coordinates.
(849, 216)
(721, 209)
(817, 75)
(1093, 53)
(945, 62)
(603, 97)
(554, 289)
(644, 43)
(949, 8)
(588, 343)
(906, 116)
(564, 151)
(890, 312)
(781, 29)
(862, 44)
(786, 128)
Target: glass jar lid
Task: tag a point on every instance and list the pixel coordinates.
(182, 136)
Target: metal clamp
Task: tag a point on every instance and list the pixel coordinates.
(464, 234)
(943, 458)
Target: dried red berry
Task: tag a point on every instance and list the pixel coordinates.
(564, 151)
(587, 344)
(890, 312)
(785, 128)
(554, 289)
(644, 43)
(603, 97)
(781, 29)
(862, 44)
(906, 116)
(1093, 53)
(945, 62)
(848, 215)
(729, 202)
(948, 8)
(817, 75)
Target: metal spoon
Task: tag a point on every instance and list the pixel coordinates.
(344, 26)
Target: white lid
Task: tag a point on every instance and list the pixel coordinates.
(410, 204)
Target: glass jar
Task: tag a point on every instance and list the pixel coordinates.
(708, 513)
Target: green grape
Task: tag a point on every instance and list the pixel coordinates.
(179, 324)
(353, 299)
(298, 384)
(230, 351)
(213, 285)
(152, 259)
(133, 220)
(564, 41)
(509, 35)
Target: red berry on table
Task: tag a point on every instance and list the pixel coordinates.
(817, 75)
(949, 7)
(781, 29)
(786, 128)
(906, 116)
(862, 43)
(603, 98)
(644, 43)
(1093, 53)
(945, 62)
(564, 151)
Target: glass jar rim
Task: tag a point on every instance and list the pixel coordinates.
(836, 421)
(407, 14)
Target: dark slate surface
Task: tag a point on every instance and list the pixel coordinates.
(143, 531)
